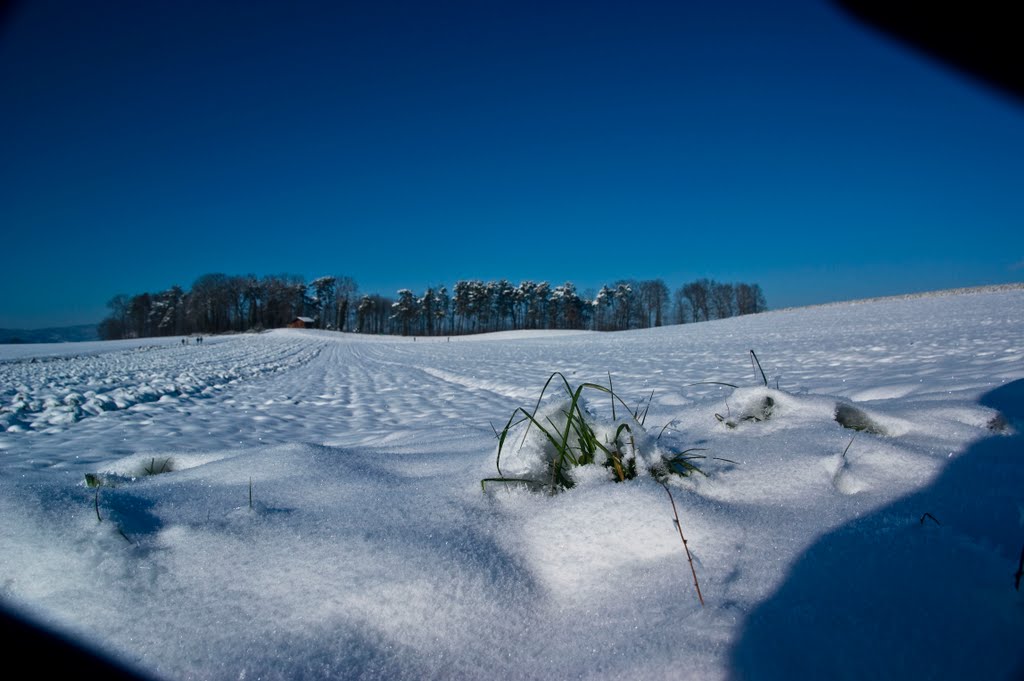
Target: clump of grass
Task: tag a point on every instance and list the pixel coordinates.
(759, 412)
(157, 466)
(762, 411)
(853, 418)
(575, 440)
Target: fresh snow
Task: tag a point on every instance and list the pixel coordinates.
(370, 550)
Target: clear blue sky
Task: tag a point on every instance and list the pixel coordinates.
(413, 143)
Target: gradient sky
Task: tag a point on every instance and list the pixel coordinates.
(414, 143)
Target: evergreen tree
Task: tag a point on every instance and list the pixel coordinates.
(404, 310)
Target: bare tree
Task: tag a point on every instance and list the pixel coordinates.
(115, 325)
(345, 289)
(698, 293)
(654, 295)
(681, 307)
(254, 298)
(723, 300)
(749, 299)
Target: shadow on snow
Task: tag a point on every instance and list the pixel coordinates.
(896, 595)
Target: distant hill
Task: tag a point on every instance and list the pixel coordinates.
(63, 334)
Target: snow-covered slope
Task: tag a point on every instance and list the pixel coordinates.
(867, 522)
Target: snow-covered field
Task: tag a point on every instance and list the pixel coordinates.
(370, 551)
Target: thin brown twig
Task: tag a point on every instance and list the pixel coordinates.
(679, 527)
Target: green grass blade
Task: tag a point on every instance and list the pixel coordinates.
(753, 359)
(727, 385)
(611, 391)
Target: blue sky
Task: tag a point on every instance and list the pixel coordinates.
(407, 144)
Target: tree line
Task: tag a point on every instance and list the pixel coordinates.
(219, 303)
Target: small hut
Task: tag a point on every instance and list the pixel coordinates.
(302, 323)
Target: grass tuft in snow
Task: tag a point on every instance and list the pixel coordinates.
(762, 411)
(157, 466)
(853, 418)
(573, 436)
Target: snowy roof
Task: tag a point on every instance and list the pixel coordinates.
(308, 320)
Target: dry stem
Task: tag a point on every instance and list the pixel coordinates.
(679, 527)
